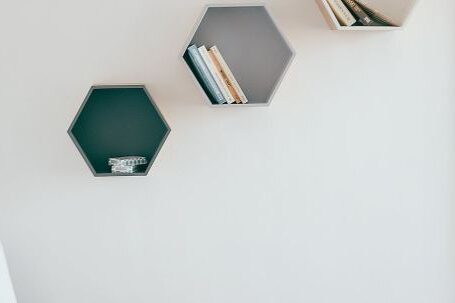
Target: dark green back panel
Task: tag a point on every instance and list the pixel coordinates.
(118, 122)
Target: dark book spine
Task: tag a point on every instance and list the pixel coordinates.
(377, 17)
(359, 12)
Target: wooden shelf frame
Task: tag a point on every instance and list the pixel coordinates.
(397, 10)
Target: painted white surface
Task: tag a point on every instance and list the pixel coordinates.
(340, 191)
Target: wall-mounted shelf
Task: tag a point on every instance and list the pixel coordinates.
(397, 10)
(252, 45)
(118, 120)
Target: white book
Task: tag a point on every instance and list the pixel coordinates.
(130, 160)
(229, 74)
(123, 169)
(214, 72)
(342, 13)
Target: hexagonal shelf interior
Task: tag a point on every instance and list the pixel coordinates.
(116, 121)
(252, 45)
(396, 10)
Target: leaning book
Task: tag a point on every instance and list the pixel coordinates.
(377, 16)
(216, 52)
(204, 75)
(216, 75)
(222, 73)
(359, 12)
(342, 13)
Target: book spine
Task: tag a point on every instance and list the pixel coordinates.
(225, 78)
(204, 73)
(127, 162)
(359, 12)
(376, 15)
(214, 71)
(229, 74)
(127, 170)
(342, 13)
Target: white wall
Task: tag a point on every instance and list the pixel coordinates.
(341, 191)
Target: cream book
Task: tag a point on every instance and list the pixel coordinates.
(229, 74)
(342, 13)
(215, 74)
(225, 77)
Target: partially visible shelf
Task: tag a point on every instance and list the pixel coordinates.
(116, 121)
(397, 10)
(252, 46)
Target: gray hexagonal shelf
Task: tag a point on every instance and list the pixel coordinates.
(252, 45)
(115, 121)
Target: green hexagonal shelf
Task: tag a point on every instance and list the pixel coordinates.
(116, 121)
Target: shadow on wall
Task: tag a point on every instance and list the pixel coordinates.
(6, 288)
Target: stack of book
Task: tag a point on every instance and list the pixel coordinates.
(126, 165)
(358, 13)
(215, 75)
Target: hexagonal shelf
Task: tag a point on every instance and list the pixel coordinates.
(252, 45)
(396, 10)
(115, 121)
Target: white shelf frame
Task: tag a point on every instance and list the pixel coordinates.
(404, 15)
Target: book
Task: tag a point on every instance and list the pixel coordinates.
(342, 13)
(204, 74)
(229, 74)
(359, 12)
(225, 77)
(215, 74)
(377, 16)
(129, 160)
(124, 169)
